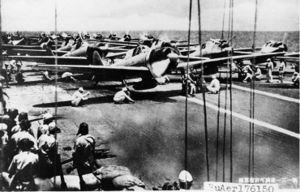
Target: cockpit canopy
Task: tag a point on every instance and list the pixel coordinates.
(274, 46)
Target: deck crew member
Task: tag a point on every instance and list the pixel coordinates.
(68, 76)
(269, 67)
(214, 86)
(84, 150)
(79, 97)
(23, 167)
(257, 74)
(3, 147)
(3, 100)
(295, 79)
(23, 134)
(189, 84)
(281, 70)
(248, 72)
(123, 96)
(22, 116)
(47, 145)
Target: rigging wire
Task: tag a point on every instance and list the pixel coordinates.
(1, 59)
(224, 130)
(253, 87)
(186, 92)
(203, 95)
(252, 106)
(226, 96)
(223, 21)
(230, 95)
(218, 132)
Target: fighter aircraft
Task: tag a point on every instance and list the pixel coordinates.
(152, 65)
(71, 54)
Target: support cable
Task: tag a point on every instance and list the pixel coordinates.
(225, 123)
(203, 95)
(1, 58)
(186, 93)
(253, 87)
(226, 95)
(218, 132)
(230, 96)
(223, 21)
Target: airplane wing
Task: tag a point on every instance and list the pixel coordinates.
(104, 73)
(192, 58)
(115, 55)
(34, 52)
(296, 54)
(260, 56)
(51, 59)
(246, 49)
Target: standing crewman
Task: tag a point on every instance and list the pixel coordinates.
(3, 100)
(47, 145)
(22, 134)
(83, 157)
(269, 67)
(281, 69)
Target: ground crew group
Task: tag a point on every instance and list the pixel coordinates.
(191, 85)
(251, 72)
(26, 153)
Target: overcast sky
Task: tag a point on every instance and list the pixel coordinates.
(85, 15)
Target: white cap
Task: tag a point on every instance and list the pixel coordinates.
(44, 129)
(185, 176)
(80, 89)
(12, 62)
(3, 127)
(125, 89)
(47, 115)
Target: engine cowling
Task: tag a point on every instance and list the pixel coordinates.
(160, 60)
(93, 55)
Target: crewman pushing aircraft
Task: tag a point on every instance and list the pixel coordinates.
(79, 97)
(123, 96)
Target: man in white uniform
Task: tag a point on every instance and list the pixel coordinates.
(123, 96)
(79, 96)
(214, 86)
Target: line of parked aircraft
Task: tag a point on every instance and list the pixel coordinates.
(152, 60)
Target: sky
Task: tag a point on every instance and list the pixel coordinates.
(127, 15)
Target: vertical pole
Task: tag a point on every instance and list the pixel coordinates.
(253, 86)
(186, 94)
(230, 96)
(1, 59)
(203, 95)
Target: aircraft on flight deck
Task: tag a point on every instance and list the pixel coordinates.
(152, 65)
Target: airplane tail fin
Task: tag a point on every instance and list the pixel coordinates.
(285, 37)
